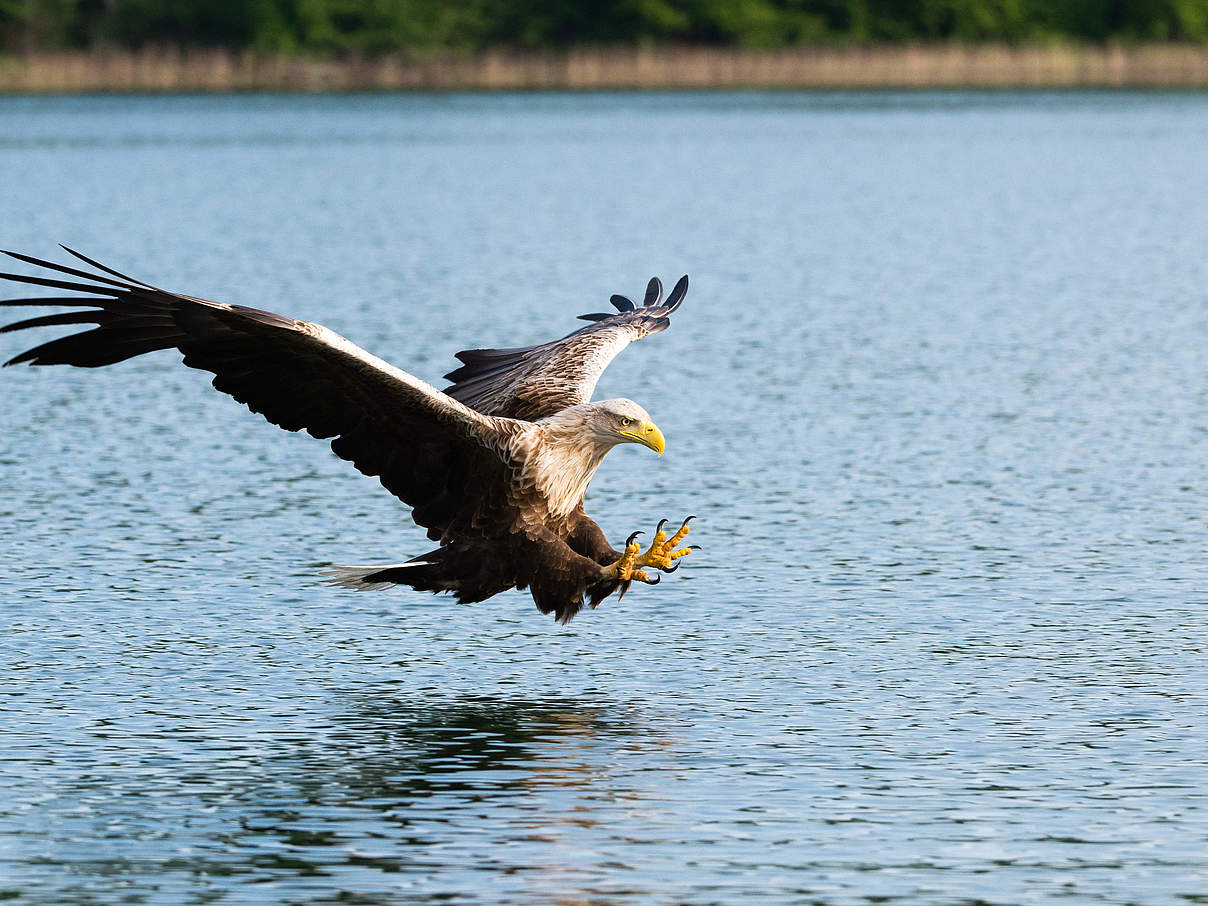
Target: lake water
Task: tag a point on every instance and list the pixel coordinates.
(937, 396)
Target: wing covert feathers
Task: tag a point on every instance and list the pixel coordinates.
(532, 382)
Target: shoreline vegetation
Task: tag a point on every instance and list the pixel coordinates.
(884, 66)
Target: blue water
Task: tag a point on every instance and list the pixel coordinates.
(937, 396)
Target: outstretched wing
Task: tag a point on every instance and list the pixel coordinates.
(533, 382)
(447, 461)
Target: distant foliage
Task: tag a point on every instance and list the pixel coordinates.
(374, 26)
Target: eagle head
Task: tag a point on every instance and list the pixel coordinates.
(623, 421)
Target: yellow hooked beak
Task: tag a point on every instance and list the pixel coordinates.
(648, 435)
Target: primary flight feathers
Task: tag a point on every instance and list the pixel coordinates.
(495, 468)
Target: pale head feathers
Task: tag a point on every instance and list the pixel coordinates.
(571, 444)
(602, 421)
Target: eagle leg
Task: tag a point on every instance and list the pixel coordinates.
(662, 553)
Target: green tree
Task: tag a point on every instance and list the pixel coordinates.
(373, 26)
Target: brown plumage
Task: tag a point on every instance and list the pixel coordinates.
(495, 468)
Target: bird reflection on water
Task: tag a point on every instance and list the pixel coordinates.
(371, 793)
(402, 749)
(393, 783)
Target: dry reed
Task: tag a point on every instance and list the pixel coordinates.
(906, 66)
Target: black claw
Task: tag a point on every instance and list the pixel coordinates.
(671, 569)
(629, 540)
(655, 581)
(693, 547)
(686, 521)
(662, 522)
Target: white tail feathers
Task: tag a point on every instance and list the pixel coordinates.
(357, 576)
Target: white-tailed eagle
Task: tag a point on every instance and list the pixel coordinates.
(495, 467)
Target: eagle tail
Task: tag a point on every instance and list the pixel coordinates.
(451, 569)
(417, 573)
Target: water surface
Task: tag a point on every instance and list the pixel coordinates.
(937, 396)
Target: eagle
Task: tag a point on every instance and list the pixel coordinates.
(495, 467)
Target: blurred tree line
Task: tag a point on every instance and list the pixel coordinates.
(373, 26)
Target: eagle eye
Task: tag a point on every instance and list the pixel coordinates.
(626, 422)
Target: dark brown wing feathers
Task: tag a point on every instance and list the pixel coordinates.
(291, 372)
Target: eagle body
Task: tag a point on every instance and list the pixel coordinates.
(495, 468)
(541, 524)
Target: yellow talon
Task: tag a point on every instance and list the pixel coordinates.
(662, 554)
(623, 568)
